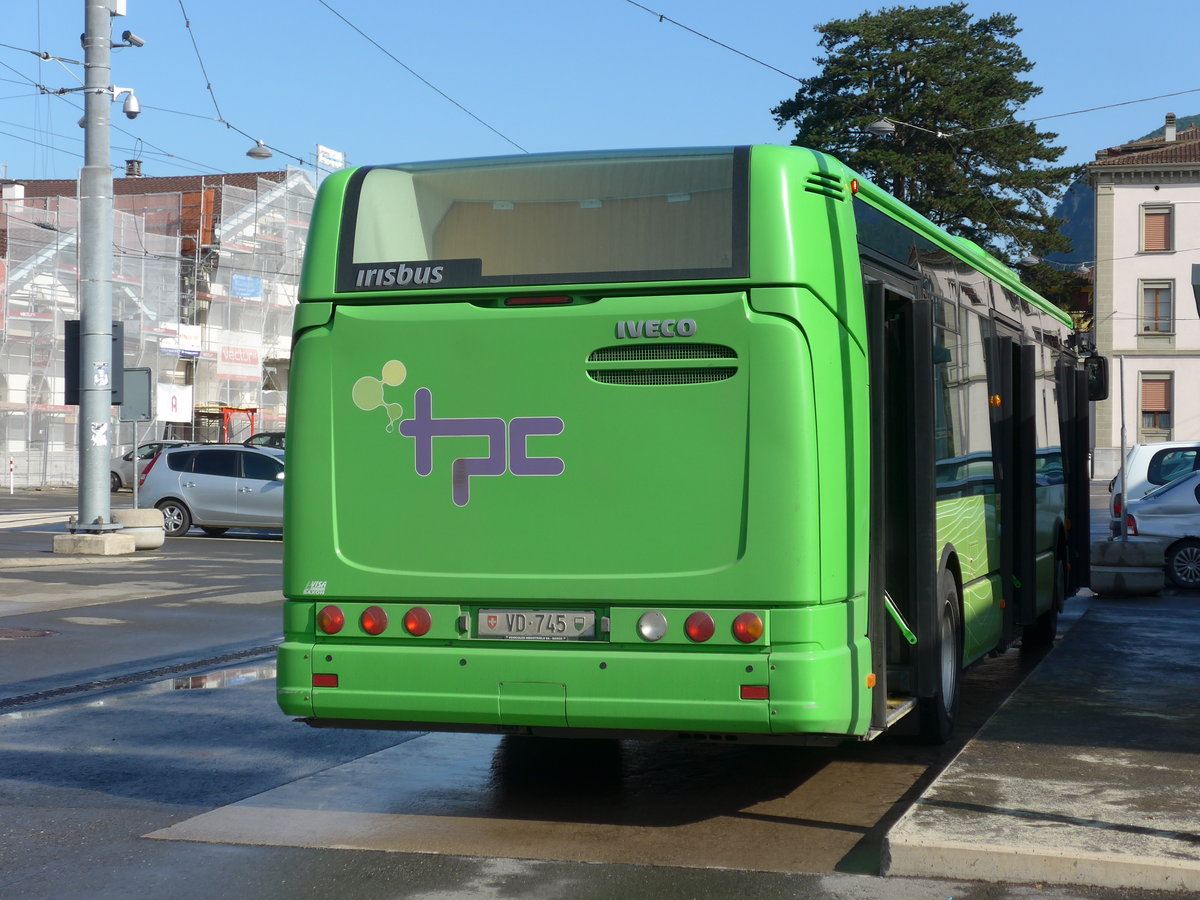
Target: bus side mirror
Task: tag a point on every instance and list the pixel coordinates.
(1096, 368)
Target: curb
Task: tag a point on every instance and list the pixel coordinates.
(37, 562)
(909, 855)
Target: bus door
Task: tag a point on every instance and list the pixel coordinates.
(903, 566)
(1011, 378)
(1071, 384)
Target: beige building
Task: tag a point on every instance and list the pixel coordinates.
(1146, 305)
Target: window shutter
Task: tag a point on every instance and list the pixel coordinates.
(1156, 229)
(1156, 395)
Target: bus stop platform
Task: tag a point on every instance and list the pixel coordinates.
(1088, 774)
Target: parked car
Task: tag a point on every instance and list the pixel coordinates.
(1172, 511)
(215, 486)
(273, 439)
(124, 467)
(1147, 467)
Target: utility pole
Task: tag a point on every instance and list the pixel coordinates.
(95, 532)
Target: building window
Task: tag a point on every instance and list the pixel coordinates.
(1156, 405)
(1156, 228)
(1158, 312)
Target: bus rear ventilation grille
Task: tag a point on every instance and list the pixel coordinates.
(662, 351)
(827, 185)
(653, 377)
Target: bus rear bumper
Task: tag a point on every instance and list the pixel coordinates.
(573, 688)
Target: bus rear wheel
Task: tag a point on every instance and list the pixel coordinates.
(939, 712)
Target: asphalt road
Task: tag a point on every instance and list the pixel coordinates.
(193, 784)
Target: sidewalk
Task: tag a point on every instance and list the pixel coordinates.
(1088, 774)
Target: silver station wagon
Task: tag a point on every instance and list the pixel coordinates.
(215, 487)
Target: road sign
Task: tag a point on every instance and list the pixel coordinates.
(137, 405)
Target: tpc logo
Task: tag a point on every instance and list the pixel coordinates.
(507, 450)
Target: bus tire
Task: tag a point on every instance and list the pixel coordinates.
(939, 712)
(1044, 629)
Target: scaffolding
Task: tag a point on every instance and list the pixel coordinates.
(204, 279)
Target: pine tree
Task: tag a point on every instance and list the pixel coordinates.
(952, 86)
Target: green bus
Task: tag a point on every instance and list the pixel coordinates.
(704, 444)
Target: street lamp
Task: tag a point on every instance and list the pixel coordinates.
(259, 151)
(882, 128)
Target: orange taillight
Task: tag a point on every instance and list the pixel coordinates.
(747, 628)
(331, 620)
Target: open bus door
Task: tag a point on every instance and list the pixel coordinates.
(1011, 380)
(903, 570)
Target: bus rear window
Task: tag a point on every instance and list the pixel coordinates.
(561, 219)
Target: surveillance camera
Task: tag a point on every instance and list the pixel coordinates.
(132, 39)
(131, 107)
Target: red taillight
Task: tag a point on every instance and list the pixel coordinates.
(747, 628)
(149, 466)
(1116, 506)
(537, 301)
(1131, 525)
(331, 620)
(755, 692)
(324, 680)
(417, 621)
(699, 627)
(373, 620)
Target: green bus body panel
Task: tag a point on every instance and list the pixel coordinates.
(745, 487)
(657, 484)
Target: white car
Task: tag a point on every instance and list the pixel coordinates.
(1147, 467)
(123, 469)
(1172, 511)
(215, 486)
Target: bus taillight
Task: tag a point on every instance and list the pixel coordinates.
(331, 620)
(747, 628)
(373, 620)
(699, 627)
(417, 621)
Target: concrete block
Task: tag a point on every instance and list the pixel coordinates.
(145, 526)
(109, 544)
(1134, 551)
(1127, 581)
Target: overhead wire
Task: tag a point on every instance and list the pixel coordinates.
(187, 24)
(936, 132)
(421, 78)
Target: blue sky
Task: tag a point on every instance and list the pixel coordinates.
(542, 74)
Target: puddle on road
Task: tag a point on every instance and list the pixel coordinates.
(212, 680)
(224, 678)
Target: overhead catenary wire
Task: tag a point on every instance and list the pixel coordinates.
(936, 132)
(421, 78)
(187, 24)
